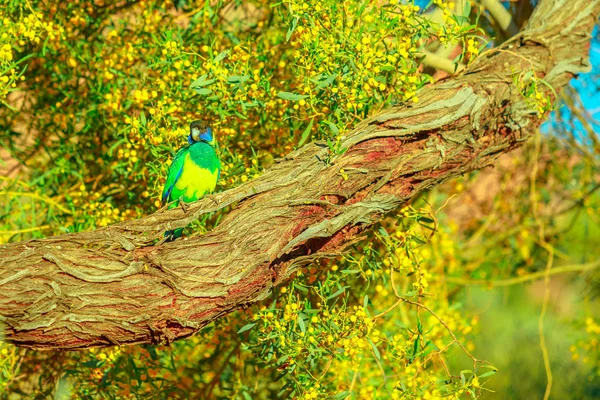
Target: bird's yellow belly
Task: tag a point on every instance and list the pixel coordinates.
(195, 181)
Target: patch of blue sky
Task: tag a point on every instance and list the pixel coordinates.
(587, 89)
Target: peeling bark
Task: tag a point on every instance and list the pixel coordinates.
(117, 286)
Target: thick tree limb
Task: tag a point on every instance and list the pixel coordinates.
(113, 286)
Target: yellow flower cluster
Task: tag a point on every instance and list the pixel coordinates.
(107, 355)
(9, 365)
(312, 392)
(530, 86)
(350, 71)
(588, 349)
(321, 67)
(6, 52)
(34, 29)
(233, 76)
(422, 281)
(114, 101)
(91, 204)
(592, 327)
(300, 332)
(171, 48)
(472, 47)
(30, 28)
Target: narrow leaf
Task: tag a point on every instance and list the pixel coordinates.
(221, 56)
(486, 374)
(203, 91)
(238, 79)
(291, 29)
(341, 395)
(326, 82)
(306, 133)
(291, 96)
(336, 294)
(301, 322)
(246, 327)
(333, 127)
(375, 350)
(467, 9)
(202, 81)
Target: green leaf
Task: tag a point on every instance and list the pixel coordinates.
(306, 133)
(463, 378)
(221, 56)
(92, 363)
(246, 327)
(202, 81)
(419, 240)
(467, 8)
(489, 373)
(351, 271)
(250, 104)
(238, 79)
(203, 91)
(331, 145)
(291, 29)
(143, 118)
(375, 350)
(300, 288)
(341, 395)
(281, 359)
(114, 146)
(321, 84)
(301, 322)
(429, 348)
(416, 345)
(291, 96)
(333, 127)
(527, 76)
(336, 294)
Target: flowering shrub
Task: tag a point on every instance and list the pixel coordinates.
(97, 97)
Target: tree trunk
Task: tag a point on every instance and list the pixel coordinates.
(115, 285)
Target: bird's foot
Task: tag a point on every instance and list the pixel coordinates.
(183, 206)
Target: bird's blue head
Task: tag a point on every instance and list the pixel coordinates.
(200, 132)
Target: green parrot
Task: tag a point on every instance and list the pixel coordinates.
(194, 171)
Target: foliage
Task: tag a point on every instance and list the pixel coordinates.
(96, 99)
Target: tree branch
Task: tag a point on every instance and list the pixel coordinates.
(115, 285)
(502, 16)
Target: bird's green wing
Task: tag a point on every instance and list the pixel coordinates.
(174, 174)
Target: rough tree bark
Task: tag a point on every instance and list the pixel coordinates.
(116, 285)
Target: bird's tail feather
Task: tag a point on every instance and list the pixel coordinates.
(174, 234)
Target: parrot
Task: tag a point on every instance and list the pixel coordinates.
(194, 171)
